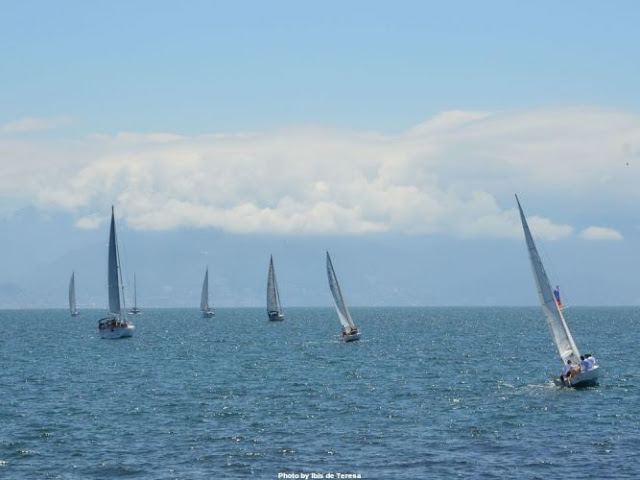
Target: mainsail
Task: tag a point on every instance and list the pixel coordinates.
(204, 298)
(72, 294)
(113, 273)
(341, 306)
(273, 296)
(555, 319)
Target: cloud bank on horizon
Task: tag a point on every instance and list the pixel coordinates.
(454, 174)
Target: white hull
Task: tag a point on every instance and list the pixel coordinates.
(134, 311)
(587, 378)
(276, 317)
(208, 314)
(75, 314)
(111, 328)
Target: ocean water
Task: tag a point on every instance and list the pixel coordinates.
(428, 393)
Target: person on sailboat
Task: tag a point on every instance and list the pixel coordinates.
(570, 370)
(556, 294)
(591, 360)
(584, 364)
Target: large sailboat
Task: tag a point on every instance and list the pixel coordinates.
(274, 308)
(135, 310)
(562, 337)
(349, 330)
(115, 325)
(207, 311)
(72, 296)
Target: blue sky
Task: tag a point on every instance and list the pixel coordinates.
(373, 121)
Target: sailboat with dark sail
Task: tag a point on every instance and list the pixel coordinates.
(207, 311)
(274, 308)
(115, 325)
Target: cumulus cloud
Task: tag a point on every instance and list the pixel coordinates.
(452, 175)
(31, 124)
(600, 233)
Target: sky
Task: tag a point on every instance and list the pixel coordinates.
(394, 134)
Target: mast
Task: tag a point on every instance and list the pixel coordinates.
(555, 319)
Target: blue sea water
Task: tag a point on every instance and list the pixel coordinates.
(428, 393)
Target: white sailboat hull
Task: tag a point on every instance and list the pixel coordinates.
(588, 378)
(112, 328)
(208, 314)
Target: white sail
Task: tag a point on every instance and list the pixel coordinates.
(273, 296)
(72, 294)
(204, 298)
(555, 319)
(341, 305)
(113, 270)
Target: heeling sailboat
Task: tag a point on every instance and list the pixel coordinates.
(115, 325)
(207, 312)
(274, 308)
(567, 348)
(72, 296)
(349, 330)
(135, 310)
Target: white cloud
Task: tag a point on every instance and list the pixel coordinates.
(90, 222)
(600, 233)
(31, 124)
(453, 175)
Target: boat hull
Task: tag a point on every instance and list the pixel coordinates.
(208, 314)
(276, 317)
(113, 328)
(353, 337)
(134, 311)
(588, 378)
(75, 314)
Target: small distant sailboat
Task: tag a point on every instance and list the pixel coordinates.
(349, 330)
(135, 310)
(207, 312)
(552, 309)
(72, 296)
(115, 325)
(274, 308)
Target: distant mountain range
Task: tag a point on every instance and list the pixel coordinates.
(40, 251)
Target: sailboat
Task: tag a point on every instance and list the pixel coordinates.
(135, 310)
(115, 325)
(72, 296)
(207, 312)
(350, 332)
(274, 309)
(562, 337)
